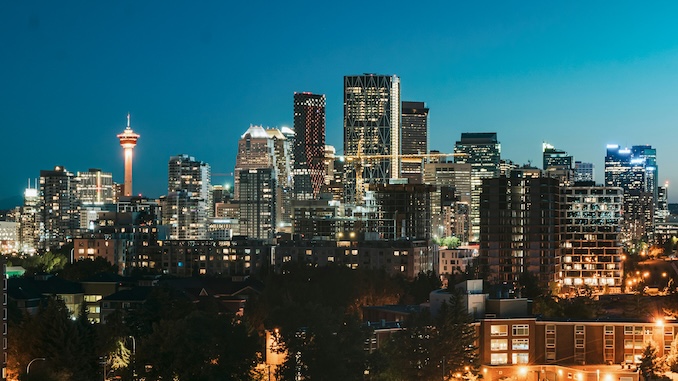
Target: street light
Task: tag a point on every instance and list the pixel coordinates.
(28, 367)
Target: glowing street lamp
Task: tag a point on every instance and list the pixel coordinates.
(28, 367)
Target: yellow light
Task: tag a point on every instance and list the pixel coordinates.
(522, 370)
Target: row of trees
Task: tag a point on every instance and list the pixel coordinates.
(175, 339)
(316, 312)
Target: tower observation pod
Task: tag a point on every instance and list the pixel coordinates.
(128, 140)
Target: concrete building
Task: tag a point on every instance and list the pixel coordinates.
(406, 257)
(409, 205)
(94, 187)
(583, 171)
(59, 215)
(188, 202)
(29, 224)
(257, 202)
(457, 260)
(591, 242)
(239, 256)
(255, 151)
(557, 163)
(635, 170)
(520, 226)
(451, 200)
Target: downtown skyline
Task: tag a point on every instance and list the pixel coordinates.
(576, 75)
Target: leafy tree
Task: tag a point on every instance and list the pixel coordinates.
(430, 346)
(81, 269)
(67, 345)
(420, 288)
(163, 303)
(200, 347)
(528, 285)
(549, 306)
(671, 358)
(651, 365)
(450, 242)
(48, 262)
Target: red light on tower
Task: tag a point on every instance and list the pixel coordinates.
(128, 140)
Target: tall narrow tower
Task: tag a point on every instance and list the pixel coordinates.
(128, 140)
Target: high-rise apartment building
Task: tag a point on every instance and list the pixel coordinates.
(583, 171)
(481, 150)
(414, 140)
(94, 187)
(309, 145)
(371, 131)
(555, 158)
(450, 202)
(662, 211)
(283, 161)
(635, 171)
(58, 217)
(256, 201)
(557, 163)
(409, 205)
(647, 155)
(255, 151)
(591, 248)
(29, 225)
(519, 226)
(188, 202)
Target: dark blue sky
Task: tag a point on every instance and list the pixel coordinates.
(195, 75)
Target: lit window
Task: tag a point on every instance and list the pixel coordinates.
(499, 330)
(520, 358)
(520, 344)
(499, 359)
(498, 344)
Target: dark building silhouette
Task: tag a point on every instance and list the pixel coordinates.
(414, 140)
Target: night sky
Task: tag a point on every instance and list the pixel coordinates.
(195, 75)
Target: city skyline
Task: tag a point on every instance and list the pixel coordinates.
(578, 76)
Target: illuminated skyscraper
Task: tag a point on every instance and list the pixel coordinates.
(256, 202)
(128, 140)
(557, 163)
(450, 202)
(591, 244)
(371, 130)
(29, 226)
(414, 139)
(58, 215)
(482, 151)
(255, 151)
(635, 171)
(583, 171)
(309, 145)
(95, 187)
(188, 202)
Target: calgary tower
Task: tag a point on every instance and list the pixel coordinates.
(128, 140)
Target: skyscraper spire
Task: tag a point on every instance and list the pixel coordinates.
(128, 119)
